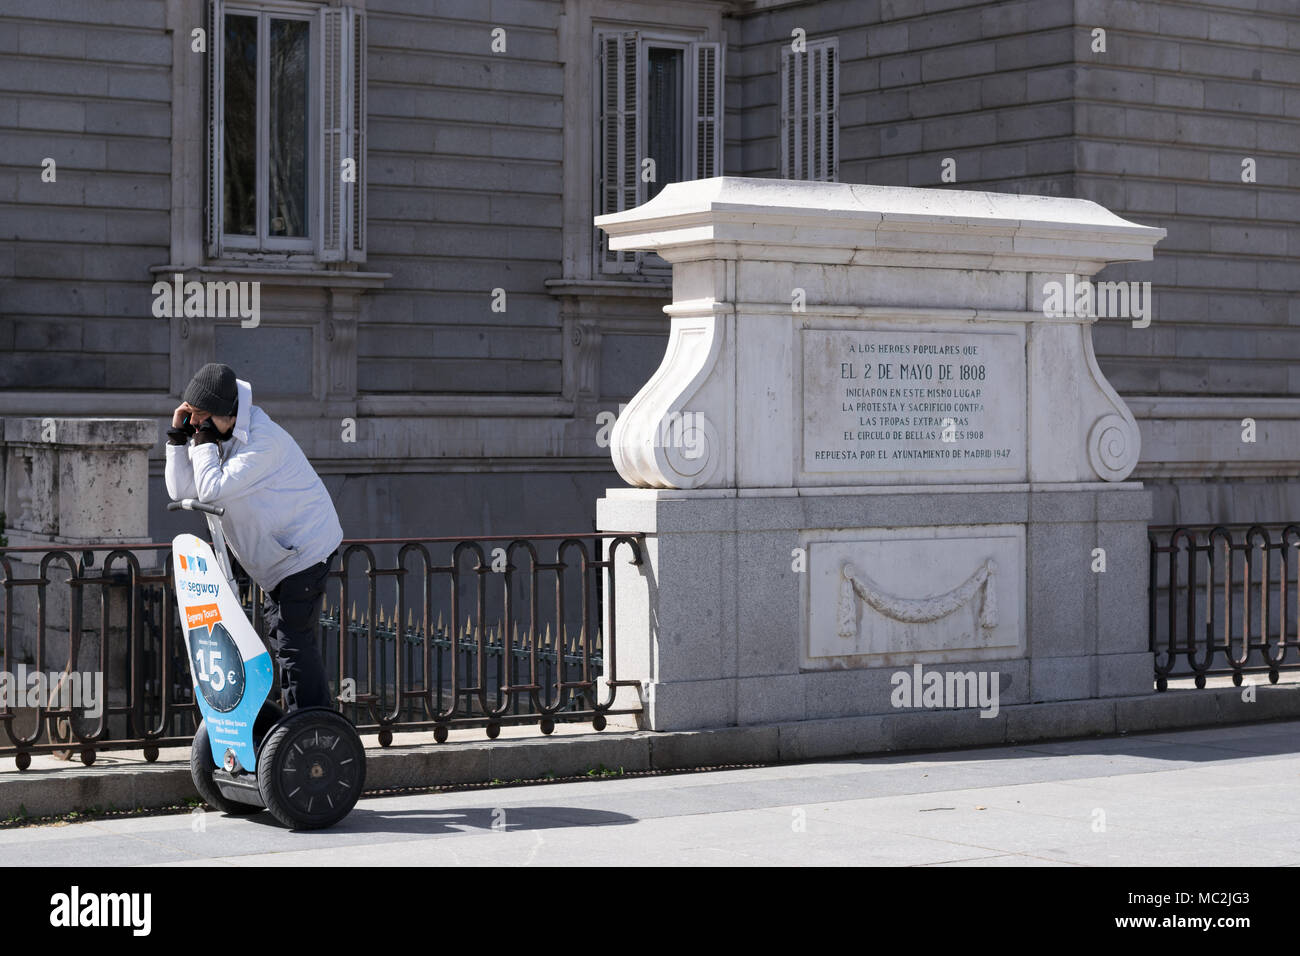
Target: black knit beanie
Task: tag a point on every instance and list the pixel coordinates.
(213, 389)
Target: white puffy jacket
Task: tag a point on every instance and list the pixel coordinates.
(279, 517)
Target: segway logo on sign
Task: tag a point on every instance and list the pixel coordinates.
(76, 909)
(192, 564)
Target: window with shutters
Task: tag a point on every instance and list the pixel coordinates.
(660, 121)
(809, 111)
(286, 131)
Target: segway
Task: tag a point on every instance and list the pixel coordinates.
(306, 767)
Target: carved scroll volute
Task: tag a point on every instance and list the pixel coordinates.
(1114, 442)
(668, 436)
(1080, 428)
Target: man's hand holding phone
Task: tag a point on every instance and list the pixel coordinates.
(182, 429)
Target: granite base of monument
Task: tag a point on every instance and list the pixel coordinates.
(750, 618)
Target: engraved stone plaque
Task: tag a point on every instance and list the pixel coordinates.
(924, 401)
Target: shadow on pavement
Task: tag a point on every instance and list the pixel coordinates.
(459, 820)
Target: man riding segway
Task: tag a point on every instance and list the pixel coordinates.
(225, 456)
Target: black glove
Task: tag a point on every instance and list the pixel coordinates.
(181, 433)
(207, 432)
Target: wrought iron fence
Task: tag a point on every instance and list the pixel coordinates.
(1223, 600)
(416, 634)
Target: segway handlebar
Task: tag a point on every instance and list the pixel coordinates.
(193, 504)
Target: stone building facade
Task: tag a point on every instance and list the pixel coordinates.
(445, 334)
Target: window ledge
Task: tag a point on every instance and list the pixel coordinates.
(296, 276)
(645, 288)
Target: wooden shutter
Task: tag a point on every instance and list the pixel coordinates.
(809, 112)
(342, 134)
(216, 28)
(787, 128)
(816, 106)
(708, 109)
(794, 95)
(618, 64)
(801, 65)
(333, 133)
(357, 75)
(822, 126)
(833, 112)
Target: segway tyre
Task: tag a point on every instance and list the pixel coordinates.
(311, 769)
(201, 771)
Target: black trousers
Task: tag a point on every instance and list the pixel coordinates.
(291, 612)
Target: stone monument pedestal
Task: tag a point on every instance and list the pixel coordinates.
(68, 484)
(723, 630)
(874, 473)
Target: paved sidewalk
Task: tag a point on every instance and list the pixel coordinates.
(122, 780)
(1224, 796)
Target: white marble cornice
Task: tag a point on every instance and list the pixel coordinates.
(733, 217)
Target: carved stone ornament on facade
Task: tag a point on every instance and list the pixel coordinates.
(853, 583)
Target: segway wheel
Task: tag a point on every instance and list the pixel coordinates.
(201, 770)
(311, 769)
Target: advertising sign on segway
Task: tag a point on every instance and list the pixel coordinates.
(230, 666)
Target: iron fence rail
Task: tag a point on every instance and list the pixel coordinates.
(450, 632)
(507, 629)
(1223, 600)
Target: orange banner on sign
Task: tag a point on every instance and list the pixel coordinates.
(202, 615)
